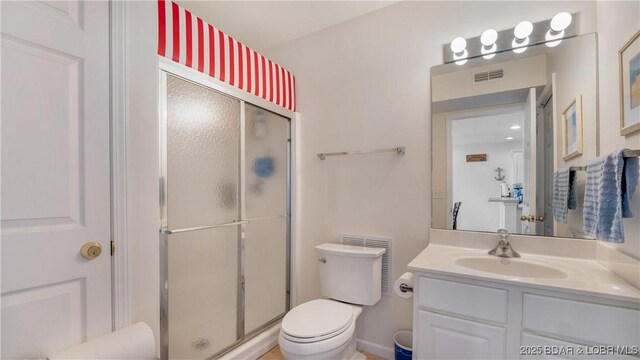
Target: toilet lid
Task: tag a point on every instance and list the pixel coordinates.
(317, 318)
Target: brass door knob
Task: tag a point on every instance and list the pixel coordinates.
(91, 250)
(528, 218)
(541, 218)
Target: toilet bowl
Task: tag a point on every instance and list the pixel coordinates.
(350, 276)
(320, 329)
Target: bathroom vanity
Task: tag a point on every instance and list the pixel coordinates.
(471, 305)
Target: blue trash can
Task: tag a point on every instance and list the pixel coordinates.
(403, 345)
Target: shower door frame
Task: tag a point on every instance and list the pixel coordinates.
(169, 68)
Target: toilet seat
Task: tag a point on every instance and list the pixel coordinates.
(316, 320)
(307, 340)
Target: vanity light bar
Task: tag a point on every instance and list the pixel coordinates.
(506, 40)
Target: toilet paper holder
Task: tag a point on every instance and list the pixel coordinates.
(405, 288)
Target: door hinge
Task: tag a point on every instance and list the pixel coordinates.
(113, 248)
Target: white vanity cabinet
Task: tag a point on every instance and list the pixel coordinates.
(457, 317)
(448, 337)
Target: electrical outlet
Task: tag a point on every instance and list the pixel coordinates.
(438, 194)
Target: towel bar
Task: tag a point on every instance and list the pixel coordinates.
(631, 153)
(626, 153)
(401, 150)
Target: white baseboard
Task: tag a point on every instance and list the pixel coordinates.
(264, 342)
(376, 349)
(255, 347)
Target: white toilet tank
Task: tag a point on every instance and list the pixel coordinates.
(351, 274)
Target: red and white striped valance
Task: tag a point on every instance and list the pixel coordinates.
(188, 40)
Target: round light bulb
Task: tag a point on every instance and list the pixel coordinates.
(489, 52)
(489, 37)
(461, 57)
(553, 39)
(515, 127)
(519, 46)
(523, 30)
(458, 45)
(561, 21)
(509, 138)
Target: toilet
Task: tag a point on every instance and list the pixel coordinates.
(350, 277)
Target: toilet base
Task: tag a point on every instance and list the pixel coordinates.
(351, 353)
(345, 352)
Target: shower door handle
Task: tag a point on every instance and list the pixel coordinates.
(165, 231)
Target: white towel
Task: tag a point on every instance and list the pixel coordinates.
(133, 342)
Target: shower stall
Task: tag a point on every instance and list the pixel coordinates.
(225, 219)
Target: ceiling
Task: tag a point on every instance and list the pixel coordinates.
(488, 129)
(262, 25)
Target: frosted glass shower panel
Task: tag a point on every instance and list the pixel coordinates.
(224, 213)
(266, 147)
(265, 271)
(203, 287)
(203, 141)
(265, 200)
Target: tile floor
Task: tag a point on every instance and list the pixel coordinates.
(275, 354)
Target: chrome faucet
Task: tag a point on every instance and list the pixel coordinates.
(503, 249)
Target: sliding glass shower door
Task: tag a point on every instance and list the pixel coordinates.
(225, 223)
(266, 198)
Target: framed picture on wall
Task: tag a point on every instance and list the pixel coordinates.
(629, 65)
(572, 129)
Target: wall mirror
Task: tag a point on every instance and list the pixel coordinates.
(502, 126)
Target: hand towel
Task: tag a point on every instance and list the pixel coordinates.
(565, 194)
(611, 182)
(573, 190)
(630, 178)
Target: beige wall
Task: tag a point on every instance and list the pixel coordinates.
(460, 84)
(617, 22)
(573, 78)
(365, 84)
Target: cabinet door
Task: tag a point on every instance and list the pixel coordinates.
(589, 323)
(541, 347)
(445, 337)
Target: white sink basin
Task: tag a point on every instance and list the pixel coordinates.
(510, 267)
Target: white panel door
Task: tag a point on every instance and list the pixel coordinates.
(446, 337)
(55, 175)
(530, 180)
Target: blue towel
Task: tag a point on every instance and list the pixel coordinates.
(573, 190)
(565, 194)
(611, 182)
(630, 178)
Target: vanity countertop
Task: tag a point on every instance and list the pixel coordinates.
(504, 200)
(583, 276)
